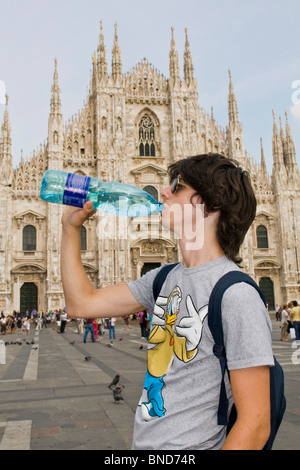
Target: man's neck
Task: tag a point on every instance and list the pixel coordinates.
(192, 258)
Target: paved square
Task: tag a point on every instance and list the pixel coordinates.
(51, 398)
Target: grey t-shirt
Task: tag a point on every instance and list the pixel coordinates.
(178, 407)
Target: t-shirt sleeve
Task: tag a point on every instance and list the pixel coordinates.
(142, 289)
(247, 328)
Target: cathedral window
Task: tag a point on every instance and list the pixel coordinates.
(83, 244)
(262, 237)
(152, 191)
(146, 137)
(29, 238)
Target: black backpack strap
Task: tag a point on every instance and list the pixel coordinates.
(215, 325)
(160, 278)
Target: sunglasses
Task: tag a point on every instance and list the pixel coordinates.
(177, 184)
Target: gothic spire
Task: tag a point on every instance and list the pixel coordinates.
(116, 57)
(263, 161)
(174, 62)
(5, 132)
(235, 128)
(290, 156)
(94, 73)
(232, 103)
(282, 136)
(101, 59)
(277, 144)
(188, 62)
(55, 102)
(5, 149)
(55, 119)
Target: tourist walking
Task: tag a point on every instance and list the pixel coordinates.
(284, 323)
(26, 325)
(295, 317)
(89, 328)
(143, 323)
(112, 328)
(63, 321)
(3, 323)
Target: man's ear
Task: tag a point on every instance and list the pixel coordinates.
(197, 199)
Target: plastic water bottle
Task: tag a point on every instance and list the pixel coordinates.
(116, 198)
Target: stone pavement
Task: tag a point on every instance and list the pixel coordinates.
(51, 398)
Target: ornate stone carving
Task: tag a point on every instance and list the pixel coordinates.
(151, 248)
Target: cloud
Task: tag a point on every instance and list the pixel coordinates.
(295, 112)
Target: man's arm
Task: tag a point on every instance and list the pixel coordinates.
(251, 395)
(82, 299)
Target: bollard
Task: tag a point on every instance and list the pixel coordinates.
(2, 353)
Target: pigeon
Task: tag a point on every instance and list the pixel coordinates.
(109, 345)
(87, 358)
(141, 346)
(35, 348)
(72, 342)
(117, 394)
(120, 339)
(32, 342)
(114, 381)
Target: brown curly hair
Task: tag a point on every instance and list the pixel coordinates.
(223, 186)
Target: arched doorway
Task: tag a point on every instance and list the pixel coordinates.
(148, 267)
(267, 286)
(28, 297)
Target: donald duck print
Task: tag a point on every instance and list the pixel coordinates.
(169, 337)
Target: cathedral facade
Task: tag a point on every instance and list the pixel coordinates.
(130, 128)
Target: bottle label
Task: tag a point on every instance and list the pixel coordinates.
(76, 190)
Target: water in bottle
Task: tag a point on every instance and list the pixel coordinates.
(112, 197)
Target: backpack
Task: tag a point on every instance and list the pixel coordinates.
(277, 398)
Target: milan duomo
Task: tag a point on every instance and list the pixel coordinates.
(130, 128)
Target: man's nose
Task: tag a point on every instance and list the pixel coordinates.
(165, 193)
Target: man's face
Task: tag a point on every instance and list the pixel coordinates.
(182, 212)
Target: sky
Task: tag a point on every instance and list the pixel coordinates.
(257, 40)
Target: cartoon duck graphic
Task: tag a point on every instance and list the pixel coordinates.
(169, 338)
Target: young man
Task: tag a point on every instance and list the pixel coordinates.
(178, 407)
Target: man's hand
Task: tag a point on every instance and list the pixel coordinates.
(191, 327)
(75, 217)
